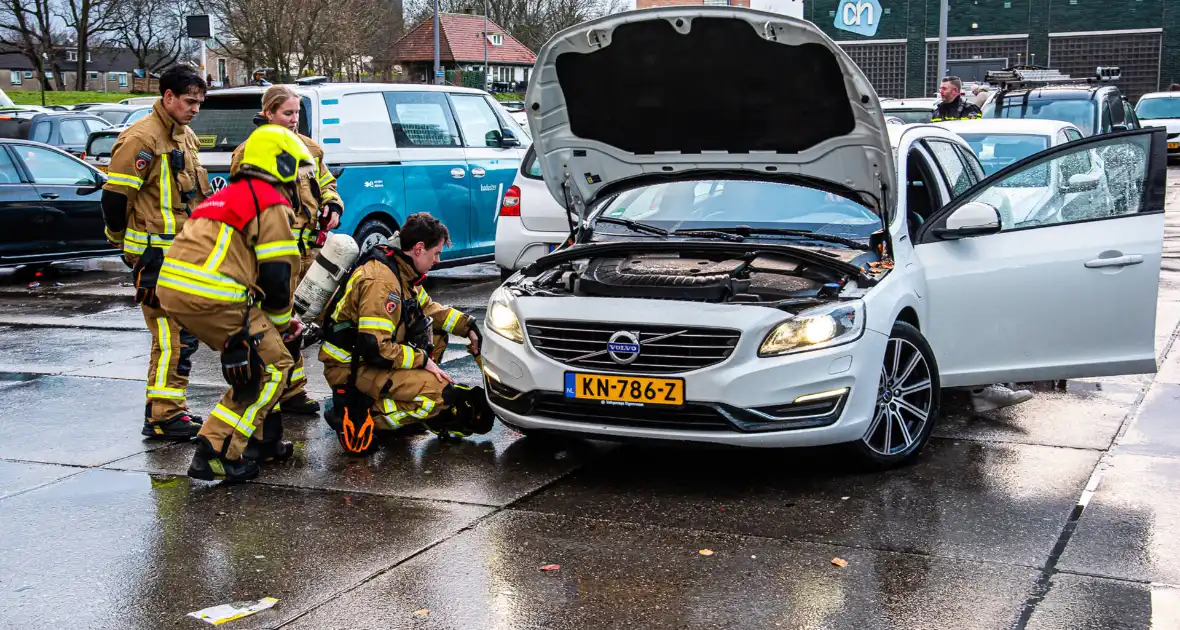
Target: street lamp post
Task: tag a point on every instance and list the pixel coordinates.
(437, 66)
(942, 18)
(486, 74)
(44, 58)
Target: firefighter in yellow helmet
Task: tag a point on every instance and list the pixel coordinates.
(383, 340)
(153, 182)
(317, 210)
(227, 278)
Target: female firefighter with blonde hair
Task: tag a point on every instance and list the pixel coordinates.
(316, 211)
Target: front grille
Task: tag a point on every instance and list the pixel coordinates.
(690, 417)
(687, 348)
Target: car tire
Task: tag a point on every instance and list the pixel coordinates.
(373, 228)
(909, 387)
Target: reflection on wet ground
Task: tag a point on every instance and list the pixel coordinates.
(1060, 514)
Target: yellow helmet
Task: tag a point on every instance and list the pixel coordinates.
(276, 151)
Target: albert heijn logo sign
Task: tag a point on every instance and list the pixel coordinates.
(858, 16)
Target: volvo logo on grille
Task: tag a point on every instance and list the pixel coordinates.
(623, 347)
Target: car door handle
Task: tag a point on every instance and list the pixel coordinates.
(458, 173)
(49, 195)
(478, 172)
(1119, 261)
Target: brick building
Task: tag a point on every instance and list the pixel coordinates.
(461, 47)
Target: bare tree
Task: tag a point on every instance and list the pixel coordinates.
(88, 19)
(26, 26)
(151, 30)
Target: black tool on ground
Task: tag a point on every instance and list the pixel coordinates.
(271, 447)
(468, 413)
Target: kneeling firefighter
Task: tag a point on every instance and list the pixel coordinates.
(227, 278)
(383, 339)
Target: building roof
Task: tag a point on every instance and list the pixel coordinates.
(460, 39)
(102, 59)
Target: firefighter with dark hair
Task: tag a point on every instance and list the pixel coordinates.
(227, 278)
(153, 183)
(384, 338)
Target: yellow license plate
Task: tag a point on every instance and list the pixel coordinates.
(625, 389)
(1174, 145)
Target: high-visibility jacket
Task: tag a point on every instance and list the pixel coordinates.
(159, 197)
(372, 303)
(306, 218)
(958, 109)
(234, 249)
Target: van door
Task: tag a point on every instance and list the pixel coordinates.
(433, 163)
(493, 166)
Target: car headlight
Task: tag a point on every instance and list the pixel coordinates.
(823, 327)
(501, 319)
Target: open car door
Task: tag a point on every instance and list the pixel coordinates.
(1068, 292)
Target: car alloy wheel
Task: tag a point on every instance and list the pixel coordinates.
(907, 400)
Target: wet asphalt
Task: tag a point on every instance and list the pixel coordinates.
(1060, 514)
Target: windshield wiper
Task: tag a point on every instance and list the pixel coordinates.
(745, 230)
(710, 233)
(635, 226)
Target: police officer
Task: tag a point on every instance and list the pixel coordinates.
(317, 210)
(952, 105)
(153, 182)
(384, 339)
(227, 278)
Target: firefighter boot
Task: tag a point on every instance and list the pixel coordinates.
(181, 427)
(209, 464)
(271, 448)
(301, 405)
(467, 413)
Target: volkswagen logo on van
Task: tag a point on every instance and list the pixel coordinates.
(623, 347)
(218, 183)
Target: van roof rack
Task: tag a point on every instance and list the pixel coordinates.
(1031, 77)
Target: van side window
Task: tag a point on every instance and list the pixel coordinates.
(421, 119)
(479, 123)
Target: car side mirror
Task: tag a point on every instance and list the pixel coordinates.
(508, 139)
(971, 219)
(1081, 182)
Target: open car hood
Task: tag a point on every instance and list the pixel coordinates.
(678, 92)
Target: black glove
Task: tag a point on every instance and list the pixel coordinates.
(471, 327)
(241, 365)
(146, 273)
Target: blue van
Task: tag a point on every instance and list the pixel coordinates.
(395, 150)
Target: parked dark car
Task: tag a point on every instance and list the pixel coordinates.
(67, 130)
(49, 206)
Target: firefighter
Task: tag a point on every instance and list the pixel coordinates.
(227, 278)
(153, 182)
(317, 210)
(384, 339)
(952, 105)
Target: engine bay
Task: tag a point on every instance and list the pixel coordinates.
(771, 278)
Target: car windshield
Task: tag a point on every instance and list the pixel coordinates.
(101, 145)
(113, 116)
(911, 116)
(997, 150)
(224, 122)
(1079, 112)
(1156, 108)
(716, 204)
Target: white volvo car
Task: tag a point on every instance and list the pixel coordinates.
(769, 270)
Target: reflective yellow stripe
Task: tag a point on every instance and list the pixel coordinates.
(336, 352)
(111, 236)
(184, 285)
(425, 405)
(344, 298)
(165, 334)
(223, 414)
(376, 323)
(280, 319)
(217, 256)
(170, 393)
(134, 248)
(200, 275)
(452, 319)
(297, 375)
(166, 197)
(407, 357)
(122, 179)
(422, 297)
(276, 249)
(269, 391)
